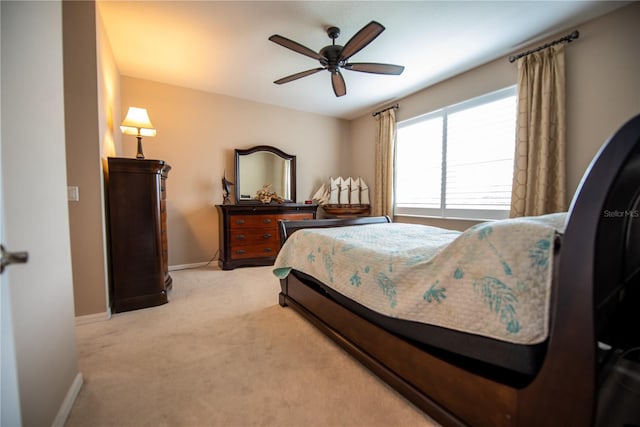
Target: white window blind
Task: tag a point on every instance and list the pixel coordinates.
(458, 162)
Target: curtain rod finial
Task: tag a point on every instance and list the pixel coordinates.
(569, 38)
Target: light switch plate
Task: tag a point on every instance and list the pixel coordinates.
(73, 194)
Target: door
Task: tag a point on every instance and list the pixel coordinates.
(9, 407)
(39, 375)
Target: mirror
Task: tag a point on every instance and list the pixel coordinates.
(262, 165)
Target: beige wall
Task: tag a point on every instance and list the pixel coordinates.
(197, 133)
(603, 85)
(108, 94)
(109, 141)
(603, 92)
(83, 136)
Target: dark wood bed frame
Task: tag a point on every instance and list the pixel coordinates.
(599, 253)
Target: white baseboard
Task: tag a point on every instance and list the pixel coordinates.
(185, 266)
(92, 318)
(67, 403)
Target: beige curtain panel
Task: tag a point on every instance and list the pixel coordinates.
(385, 148)
(539, 177)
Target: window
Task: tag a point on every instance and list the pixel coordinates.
(457, 162)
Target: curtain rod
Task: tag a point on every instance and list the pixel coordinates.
(569, 38)
(395, 107)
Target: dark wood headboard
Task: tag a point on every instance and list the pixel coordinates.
(289, 227)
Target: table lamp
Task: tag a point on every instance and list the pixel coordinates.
(137, 123)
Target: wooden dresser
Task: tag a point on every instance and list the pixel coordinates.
(139, 267)
(249, 234)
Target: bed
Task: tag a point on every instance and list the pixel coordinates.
(488, 372)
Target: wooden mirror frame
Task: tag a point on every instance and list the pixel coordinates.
(272, 150)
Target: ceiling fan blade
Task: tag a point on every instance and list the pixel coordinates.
(361, 39)
(337, 81)
(371, 67)
(297, 76)
(295, 46)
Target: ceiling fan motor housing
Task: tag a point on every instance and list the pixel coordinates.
(331, 55)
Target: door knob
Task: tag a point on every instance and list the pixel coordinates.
(8, 258)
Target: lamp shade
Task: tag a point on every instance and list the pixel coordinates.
(137, 123)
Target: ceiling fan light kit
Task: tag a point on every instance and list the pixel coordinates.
(334, 57)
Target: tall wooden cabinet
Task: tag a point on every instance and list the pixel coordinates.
(249, 234)
(136, 196)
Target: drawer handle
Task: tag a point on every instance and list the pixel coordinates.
(240, 237)
(239, 221)
(266, 236)
(268, 249)
(240, 251)
(267, 221)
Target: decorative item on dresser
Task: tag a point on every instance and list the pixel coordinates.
(137, 233)
(344, 197)
(226, 190)
(249, 233)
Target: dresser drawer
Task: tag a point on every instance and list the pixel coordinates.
(252, 236)
(254, 251)
(252, 221)
(294, 216)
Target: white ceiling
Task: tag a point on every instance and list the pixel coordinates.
(223, 47)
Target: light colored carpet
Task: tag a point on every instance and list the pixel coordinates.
(222, 352)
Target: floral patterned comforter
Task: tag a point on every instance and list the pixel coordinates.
(493, 279)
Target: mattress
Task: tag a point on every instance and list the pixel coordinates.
(491, 283)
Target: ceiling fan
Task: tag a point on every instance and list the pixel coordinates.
(334, 57)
